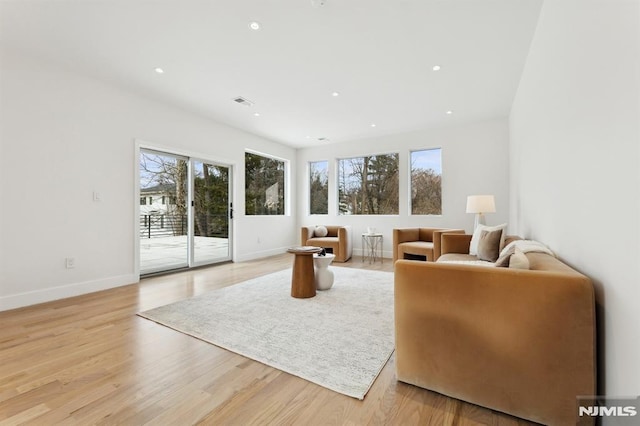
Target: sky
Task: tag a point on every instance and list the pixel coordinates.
(427, 159)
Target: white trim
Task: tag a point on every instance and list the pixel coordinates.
(262, 254)
(20, 300)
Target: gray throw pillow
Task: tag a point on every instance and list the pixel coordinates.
(489, 245)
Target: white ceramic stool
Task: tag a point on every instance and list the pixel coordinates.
(323, 275)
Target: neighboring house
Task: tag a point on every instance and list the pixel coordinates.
(158, 200)
(159, 215)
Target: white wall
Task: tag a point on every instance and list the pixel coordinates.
(474, 161)
(65, 136)
(575, 163)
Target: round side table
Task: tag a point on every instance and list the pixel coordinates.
(302, 278)
(323, 275)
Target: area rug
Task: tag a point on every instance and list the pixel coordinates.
(340, 339)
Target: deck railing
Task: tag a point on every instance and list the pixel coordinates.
(165, 225)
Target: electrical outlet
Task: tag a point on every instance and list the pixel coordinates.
(97, 196)
(70, 262)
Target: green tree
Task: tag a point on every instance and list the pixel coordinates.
(264, 185)
(318, 189)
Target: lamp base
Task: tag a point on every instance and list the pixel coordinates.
(479, 220)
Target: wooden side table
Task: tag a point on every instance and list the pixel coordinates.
(302, 278)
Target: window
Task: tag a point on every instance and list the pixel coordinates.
(319, 187)
(426, 182)
(264, 185)
(143, 201)
(368, 185)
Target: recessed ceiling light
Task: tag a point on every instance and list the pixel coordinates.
(257, 114)
(334, 94)
(449, 112)
(254, 25)
(373, 124)
(436, 68)
(308, 137)
(159, 70)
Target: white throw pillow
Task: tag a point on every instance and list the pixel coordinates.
(320, 231)
(475, 238)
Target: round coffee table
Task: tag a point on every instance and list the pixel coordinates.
(324, 275)
(302, 278)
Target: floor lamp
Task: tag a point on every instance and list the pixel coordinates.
(480, 204)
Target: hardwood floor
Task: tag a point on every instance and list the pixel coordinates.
(92, 360)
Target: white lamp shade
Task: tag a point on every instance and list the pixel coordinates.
(481, 204)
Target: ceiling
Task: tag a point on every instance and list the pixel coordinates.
(378, 55)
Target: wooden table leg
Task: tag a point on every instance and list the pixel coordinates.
(302, 278)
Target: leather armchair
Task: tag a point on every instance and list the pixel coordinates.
(339, 239)
(415, 243)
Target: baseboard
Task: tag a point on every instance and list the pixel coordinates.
(260, 254)
(20, 300)
(385, 254)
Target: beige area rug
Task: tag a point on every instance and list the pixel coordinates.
(340, 339)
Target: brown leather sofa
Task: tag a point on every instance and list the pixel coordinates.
(418, 243)
(339, 239)
(517, 341)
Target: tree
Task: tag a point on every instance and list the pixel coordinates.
(211, 200)
(426, 192)
(318, 190)
(264, 185)
(368, 185)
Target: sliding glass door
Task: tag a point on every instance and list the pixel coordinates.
(211, 213)
(185, 212)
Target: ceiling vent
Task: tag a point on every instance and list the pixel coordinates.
(243, 101)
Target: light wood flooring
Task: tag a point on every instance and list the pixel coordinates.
(90, 360)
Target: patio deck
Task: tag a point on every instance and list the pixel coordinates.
(166, 253)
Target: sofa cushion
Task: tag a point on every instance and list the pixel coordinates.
(463, 259)
(323, 242)
(419, 248)
(489, 245)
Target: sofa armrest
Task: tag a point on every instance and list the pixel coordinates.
(517, 341)
(437, 240)
(455, 243)
(345, 238)
(306, 233)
